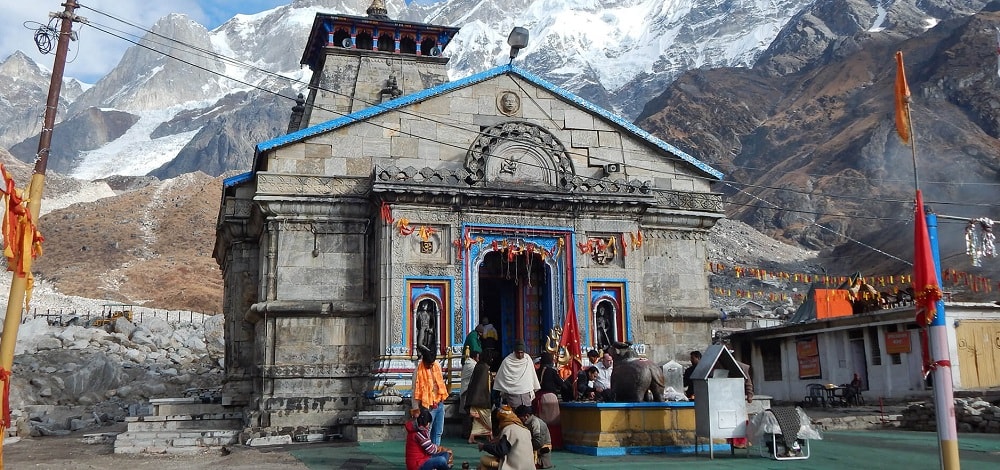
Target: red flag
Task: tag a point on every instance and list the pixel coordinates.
(902, 101)
(925, 282)
(570, 340)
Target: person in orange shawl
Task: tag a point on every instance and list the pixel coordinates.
(429, 392)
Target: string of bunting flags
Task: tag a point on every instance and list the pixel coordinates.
(893, 283)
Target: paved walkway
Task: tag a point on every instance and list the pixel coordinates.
(838, 450)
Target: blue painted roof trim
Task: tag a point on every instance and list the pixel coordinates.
(235, 180)
(444, 88)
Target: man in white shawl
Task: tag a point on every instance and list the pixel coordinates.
(516, 380)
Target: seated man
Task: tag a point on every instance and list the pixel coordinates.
(585, 384)
(421, 452)
(541, 440)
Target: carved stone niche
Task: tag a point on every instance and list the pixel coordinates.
(428, 244)
(603, 249)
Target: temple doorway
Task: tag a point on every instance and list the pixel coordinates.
(515, 299)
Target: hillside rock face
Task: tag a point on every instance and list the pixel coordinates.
(227, 133)
(150, 245)
(25, 88)
(85, 131)
(149, 79)
(809, 136)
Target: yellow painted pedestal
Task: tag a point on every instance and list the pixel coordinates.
(628, 428)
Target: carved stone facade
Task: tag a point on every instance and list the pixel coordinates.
(486, 198)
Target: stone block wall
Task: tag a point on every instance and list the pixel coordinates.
(971, 415)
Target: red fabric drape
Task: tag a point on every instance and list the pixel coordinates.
(925, 283)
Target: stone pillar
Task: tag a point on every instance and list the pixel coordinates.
(675, 287)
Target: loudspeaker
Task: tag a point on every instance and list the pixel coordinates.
(612, 168)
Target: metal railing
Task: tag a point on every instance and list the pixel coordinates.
(139, 314)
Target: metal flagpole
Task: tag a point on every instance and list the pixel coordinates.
(937, 330)
(944, 397)
(19, 284)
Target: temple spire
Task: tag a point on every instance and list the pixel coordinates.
(377, 10)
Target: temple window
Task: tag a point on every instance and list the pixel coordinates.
(364, 41)
(386, 43)
(342, 38)
(429, 47)
(407, 45)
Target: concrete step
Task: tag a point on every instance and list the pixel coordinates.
(157, 423)
(173, 442)
(184, 406)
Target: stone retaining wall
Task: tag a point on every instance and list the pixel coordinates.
(971, 415)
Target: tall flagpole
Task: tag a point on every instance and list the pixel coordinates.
(944, 395)
(937, 330)
(19, 283)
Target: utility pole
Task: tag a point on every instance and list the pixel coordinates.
(19, 282)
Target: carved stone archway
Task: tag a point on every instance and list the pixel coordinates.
(521, 153)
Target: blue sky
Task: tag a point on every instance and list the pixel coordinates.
(95, 53)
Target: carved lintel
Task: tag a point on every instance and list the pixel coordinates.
(305, 371)
(293, 308)
(311, 185)
(685, 315)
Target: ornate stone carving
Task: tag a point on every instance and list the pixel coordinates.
(698, 235)
(508, 103)
(690, 201)
(520, 153)
(270, 183)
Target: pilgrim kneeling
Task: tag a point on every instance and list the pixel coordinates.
(511, 450)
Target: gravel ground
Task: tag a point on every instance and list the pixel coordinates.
(73, 452)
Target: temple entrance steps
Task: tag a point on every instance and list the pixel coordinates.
(180, 426)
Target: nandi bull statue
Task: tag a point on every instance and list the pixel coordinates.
(633, 376)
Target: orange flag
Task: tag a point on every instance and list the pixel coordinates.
(902, 101)
(925, 282)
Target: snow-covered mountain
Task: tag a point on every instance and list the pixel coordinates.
(184, 85)
(200, 100)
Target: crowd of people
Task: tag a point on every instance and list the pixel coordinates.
(512, 414)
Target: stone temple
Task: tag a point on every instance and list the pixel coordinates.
(402, 208)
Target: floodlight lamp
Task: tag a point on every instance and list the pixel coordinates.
(517, 40)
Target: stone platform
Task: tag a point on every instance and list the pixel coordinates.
(606, 429)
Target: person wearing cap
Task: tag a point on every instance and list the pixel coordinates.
(516, 380)
(541, 440)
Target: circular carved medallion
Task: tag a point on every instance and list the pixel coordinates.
(508, 103)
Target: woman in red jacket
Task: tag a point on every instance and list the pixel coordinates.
(421, 453)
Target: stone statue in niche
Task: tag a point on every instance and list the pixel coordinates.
(508, 103)
(425, 319)
(604, 318)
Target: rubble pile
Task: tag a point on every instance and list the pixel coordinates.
(971, 415)
(67, 378)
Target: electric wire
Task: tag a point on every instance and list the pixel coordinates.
(454, 124)
(730, 184)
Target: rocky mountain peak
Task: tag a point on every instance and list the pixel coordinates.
(147, 79)
(25, 87)
(808, 140)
